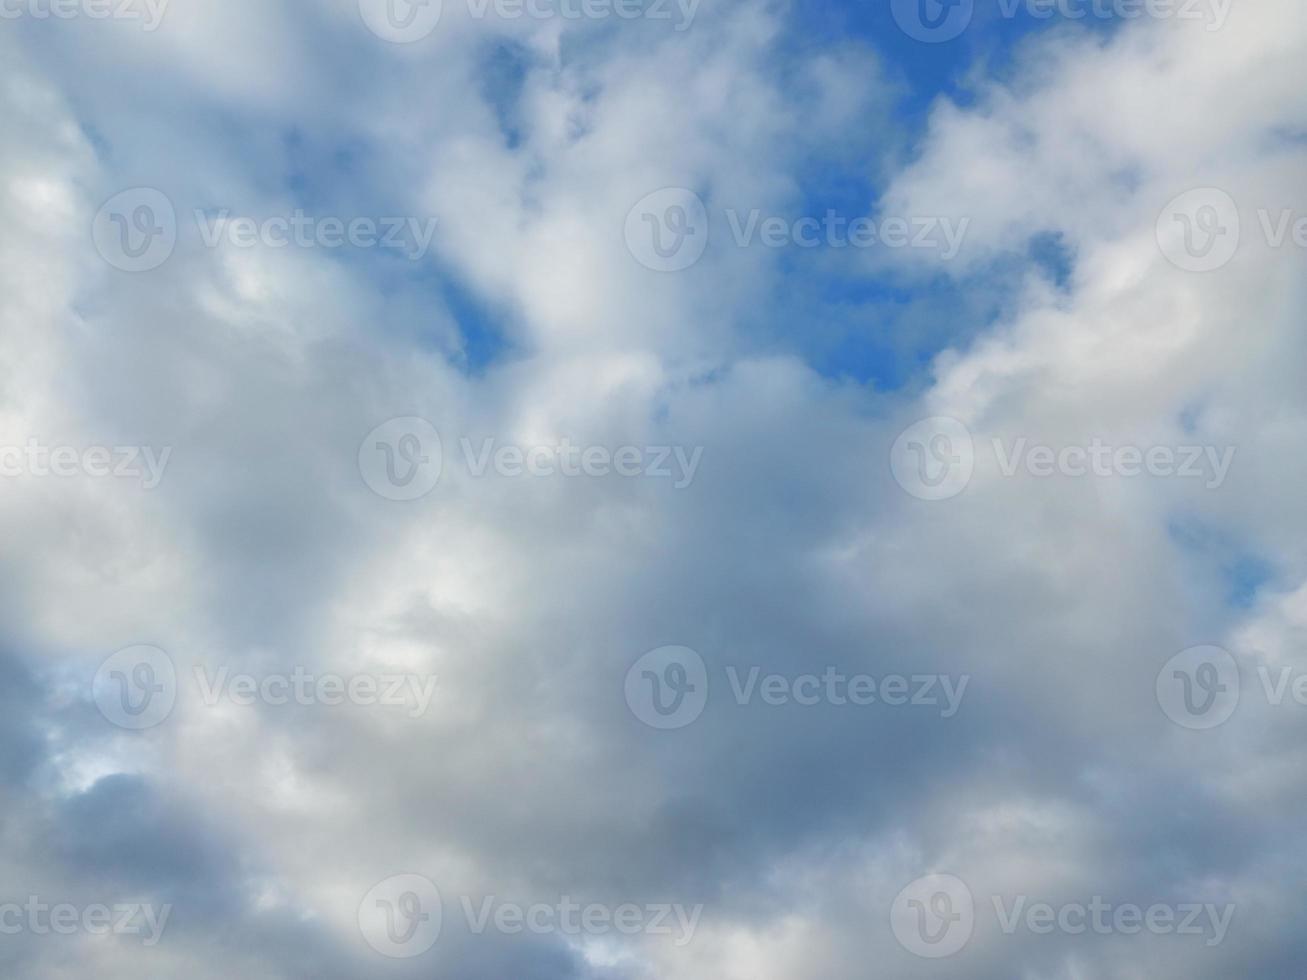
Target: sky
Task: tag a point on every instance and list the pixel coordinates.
(652, 489)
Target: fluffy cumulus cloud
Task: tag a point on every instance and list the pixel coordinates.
(631, 491)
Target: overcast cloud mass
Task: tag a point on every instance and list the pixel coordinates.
(653, 489)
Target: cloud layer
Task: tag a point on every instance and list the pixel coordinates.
(797, 805)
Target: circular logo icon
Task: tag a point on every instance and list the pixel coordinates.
(401, 459)
(1199, 230)
(668, 687)
(1199, 688)
(667, 231)
(401, 21)
(136, 688)
(933, 21)
(933, 459)
(401, 917)
(934, 916)
(136, 231)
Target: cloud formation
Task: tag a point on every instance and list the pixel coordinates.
(889, 676)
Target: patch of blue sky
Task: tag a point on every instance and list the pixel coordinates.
(1239, 574)
(932, 68)
(502, 77)
(871, 322)
(879, 322)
